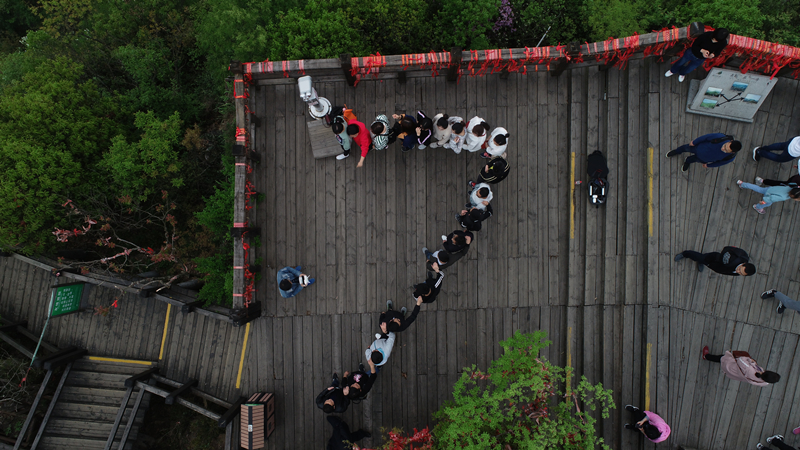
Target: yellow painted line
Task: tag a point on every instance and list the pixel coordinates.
(572, 195)
(647, 378)
(650, 191)
(241, 358)
(128, 361)
(164, 336)
(569, 359)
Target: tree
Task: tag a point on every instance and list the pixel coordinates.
(53, 128)
(466, 23)
(141, 168)
(739, 16)
(519, 402)
(614, 18)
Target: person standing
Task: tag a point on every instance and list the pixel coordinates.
(361, 138)
(338, 127)
(783, 301)
(770, 194)
(495, 171)
(332, 399)
(651, 425)
(497, 143)
(436, 261)
(713, 150)
(428, 290)
(706, 46)
(381, 348)
(381, 134)
(730, 261)
(357, 385)
(471, 219)
(480, 196)
(342, 438)
(424, 130)
(777, 441)
(456, 244)
(443, 129)
(457, 137)
(477, 130)
(789, 150)
(396, 322)
(405, 127)
(291, 281)
(739, 366)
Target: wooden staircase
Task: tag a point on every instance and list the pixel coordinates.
(89, 406)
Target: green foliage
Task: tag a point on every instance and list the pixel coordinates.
(615, 18)
(391, 27)
(533, 18)
(466, 23)
(739, 16)
(52, 129)
(518, 402)
(218, 277)
(217, 215)
(16, 19)
(141, 168)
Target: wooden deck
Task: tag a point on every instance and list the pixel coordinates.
(601, 281)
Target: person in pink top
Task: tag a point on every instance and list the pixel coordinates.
(739, 366)
(649, 423)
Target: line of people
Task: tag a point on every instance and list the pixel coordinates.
(441, 131)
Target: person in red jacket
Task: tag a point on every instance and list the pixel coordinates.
(360, 136)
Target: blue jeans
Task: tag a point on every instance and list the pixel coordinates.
(784, 156)
(760, 189)
(687, 63)
(787, 302)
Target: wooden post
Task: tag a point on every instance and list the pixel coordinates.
(455, 64)
(50, 408)
(131, 382)
(170, 399)
(230, 414)
(32, 412)
(573, 49)
(243, 315)
(347, 67)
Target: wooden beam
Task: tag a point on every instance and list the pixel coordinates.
(16, 345)
(131, 419)
(32, 412)
(55, 363)
(39, 362)
(194, 391)
(230, 414)
(52, 406)
(13, 326)
(170, 399)
(131, 382)
(455, 63)
(122, 407)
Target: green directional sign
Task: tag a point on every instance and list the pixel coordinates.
(66, 299)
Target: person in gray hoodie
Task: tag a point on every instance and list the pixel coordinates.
(380, 350)
(381, 133)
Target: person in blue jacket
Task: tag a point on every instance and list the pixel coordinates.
(712, 150)
(291, 281)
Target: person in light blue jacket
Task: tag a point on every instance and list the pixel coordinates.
(291, 281)
(771, 194)
(380, 350)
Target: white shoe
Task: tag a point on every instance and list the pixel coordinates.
(681, 78)
(341, 157)
(422, 146)
(759, 181)
(669, 74)
(444, 238)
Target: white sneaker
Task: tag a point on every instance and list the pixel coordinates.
(759, 181)
(341, 157)
(681, 78)
(422, 146)
(669, 74)
(444, 238)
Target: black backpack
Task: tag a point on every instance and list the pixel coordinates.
(597, 169)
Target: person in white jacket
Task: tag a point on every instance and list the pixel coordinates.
(480, 196)
(477, 130)
(380, 350)
(443, 129)
(457, 137)
(497, 144)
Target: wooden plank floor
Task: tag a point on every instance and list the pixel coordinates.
(602, 282)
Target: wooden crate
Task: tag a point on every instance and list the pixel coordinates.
(257, 420)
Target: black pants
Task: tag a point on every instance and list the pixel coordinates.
(637, 416)
(780, 444)
(699, 257)
(713, 358)
(794, 179)
(341, 432)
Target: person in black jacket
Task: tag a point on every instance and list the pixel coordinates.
(457, 244)
(342, 438)
(707, 46)
(730, 261)
(428, 290)
(495, 171)
(357, 385)
(332, 399)
(471, 220)
(396, 322)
